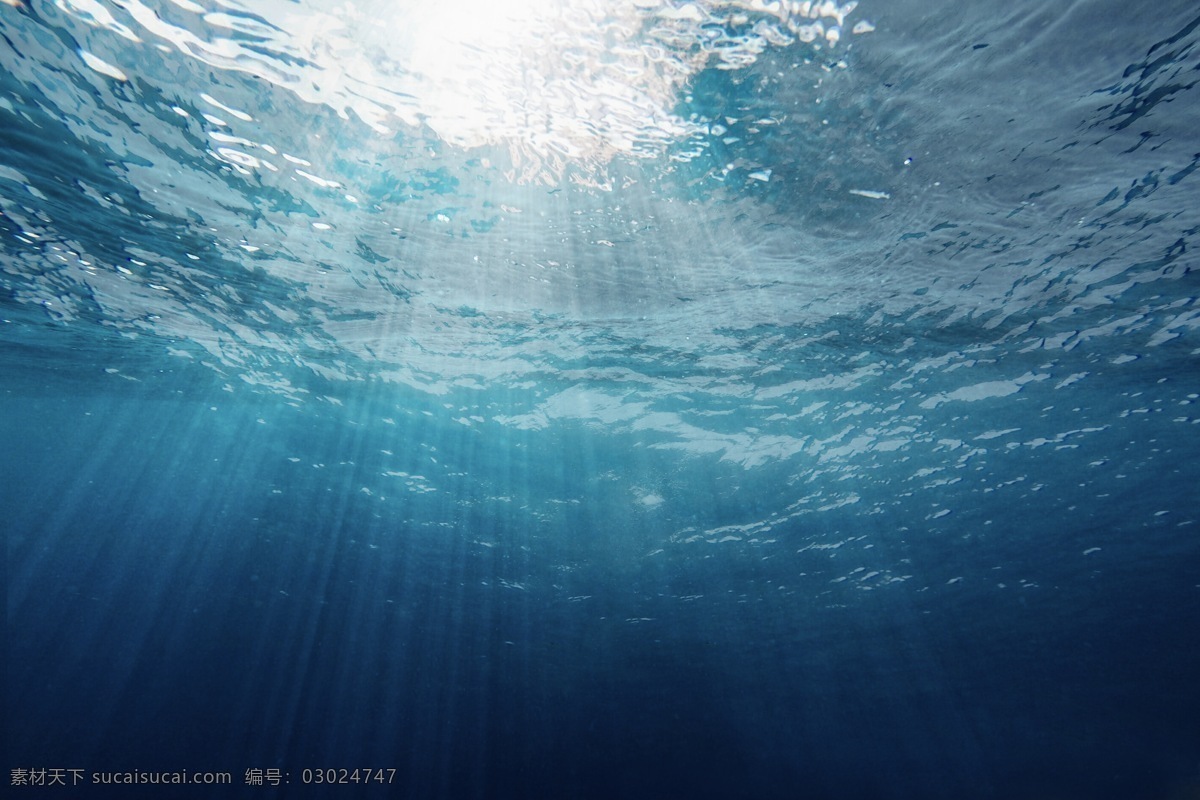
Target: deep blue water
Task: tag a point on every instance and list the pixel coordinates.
(605, 401)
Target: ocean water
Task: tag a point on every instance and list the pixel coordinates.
(649, 399)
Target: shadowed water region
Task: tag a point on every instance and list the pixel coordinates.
(649, 399)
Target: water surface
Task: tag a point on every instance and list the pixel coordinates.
(646, 399)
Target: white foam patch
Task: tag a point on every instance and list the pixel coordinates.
(318, 180)
(871, 194)
(996, 434)
(983, 391)
(650, 499)
(103, 67)
(95, 14)
(242, 115)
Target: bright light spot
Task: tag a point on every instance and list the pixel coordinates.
(544, 89)
(102, 66)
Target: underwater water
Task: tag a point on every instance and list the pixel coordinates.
(633, 399)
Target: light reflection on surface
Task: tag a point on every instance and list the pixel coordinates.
(557, 86)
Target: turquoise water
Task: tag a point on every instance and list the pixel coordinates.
(601, 400)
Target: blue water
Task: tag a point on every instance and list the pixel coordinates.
(602, 401)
